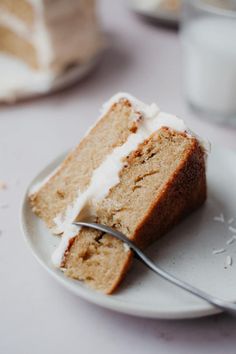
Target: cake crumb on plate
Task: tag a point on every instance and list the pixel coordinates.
(219, 218)
(231, 240)
(222, 250)
(232, 229)
(228, 261)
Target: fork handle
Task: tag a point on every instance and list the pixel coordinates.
(226, 306)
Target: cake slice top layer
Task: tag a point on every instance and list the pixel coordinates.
(51, 197)
(147, 119)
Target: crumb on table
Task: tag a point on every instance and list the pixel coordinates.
(3, 185)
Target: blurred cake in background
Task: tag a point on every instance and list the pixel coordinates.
(40, 39)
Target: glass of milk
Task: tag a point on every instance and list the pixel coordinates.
(208, 37)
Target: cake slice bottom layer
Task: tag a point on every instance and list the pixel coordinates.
(160, 183)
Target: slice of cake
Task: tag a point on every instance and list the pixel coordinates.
(138, 170)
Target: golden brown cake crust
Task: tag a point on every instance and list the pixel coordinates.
(184, 192)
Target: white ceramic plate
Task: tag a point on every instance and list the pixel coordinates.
(155, 12)
(186, 252)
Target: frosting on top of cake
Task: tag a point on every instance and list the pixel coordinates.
(146, 110)
(106, 175)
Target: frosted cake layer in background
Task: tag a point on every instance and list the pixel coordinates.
(40, 39)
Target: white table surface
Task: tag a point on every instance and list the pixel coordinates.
(36, 314)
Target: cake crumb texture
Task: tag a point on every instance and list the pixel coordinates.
(76, 171)
(162, 181)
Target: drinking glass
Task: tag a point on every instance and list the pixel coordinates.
(208, 36)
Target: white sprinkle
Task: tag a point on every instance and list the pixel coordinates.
(222, 250)
(219, 218)
(3, 206)
(228, 261)
(233, 229)
(230, 220)
(230, 241)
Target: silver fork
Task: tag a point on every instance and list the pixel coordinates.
(226, 306)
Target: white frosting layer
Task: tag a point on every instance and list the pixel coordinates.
(106, 175)
(41, 37)
(148, 111)
(18, 79)
(7, 19)
(37, 36)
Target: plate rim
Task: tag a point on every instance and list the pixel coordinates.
(201, 309)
